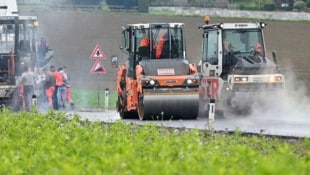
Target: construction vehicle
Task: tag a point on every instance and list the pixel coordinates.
(17, 49)
(234, 67)
(156, 81)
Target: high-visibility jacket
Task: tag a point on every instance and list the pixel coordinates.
(59, 79)
(160, 44)
(145, 41)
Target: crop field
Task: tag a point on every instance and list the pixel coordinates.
(51, 143)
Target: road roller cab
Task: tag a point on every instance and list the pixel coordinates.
(235, 68)
(156, 81)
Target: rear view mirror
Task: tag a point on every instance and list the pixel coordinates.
(274, 56)
(114, 61)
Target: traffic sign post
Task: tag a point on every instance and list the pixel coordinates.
(98, 68)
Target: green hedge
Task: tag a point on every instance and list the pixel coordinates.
(269, 7)
(143, 6)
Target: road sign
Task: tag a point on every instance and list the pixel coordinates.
(97, 53)
(98, 68)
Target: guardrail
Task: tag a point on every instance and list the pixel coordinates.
(113, 8)
(120, 8)
(277, 15)
(75, 7)
(62, 6)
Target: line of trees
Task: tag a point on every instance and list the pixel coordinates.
(267, 5)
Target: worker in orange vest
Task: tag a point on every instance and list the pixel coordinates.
(61, 90)
(68, 88)
(57, 79)
(145, 41)
(160, 44)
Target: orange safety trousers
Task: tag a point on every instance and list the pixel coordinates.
(68, 95)
(21, 95)
(49, 93)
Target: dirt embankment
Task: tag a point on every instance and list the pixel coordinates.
(73, 36)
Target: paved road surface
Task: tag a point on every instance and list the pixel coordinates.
(276, 126)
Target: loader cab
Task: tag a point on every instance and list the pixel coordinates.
(228, 45)
(27, 37)
(27, 49)
(8, 47)
(17, 46)
(7, 34)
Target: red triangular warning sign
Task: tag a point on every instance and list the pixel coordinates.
(98, 68)
(97, 53)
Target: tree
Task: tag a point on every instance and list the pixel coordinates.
(308, 3)
(269, 6)
(221, 3)
(299, 5)
(127, 4)
(143, 6)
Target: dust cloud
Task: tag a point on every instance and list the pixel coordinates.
(292, 103)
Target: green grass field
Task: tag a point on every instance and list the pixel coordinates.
(35, 143)
(90, 99)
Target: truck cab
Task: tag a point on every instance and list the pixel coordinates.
(234, 66)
